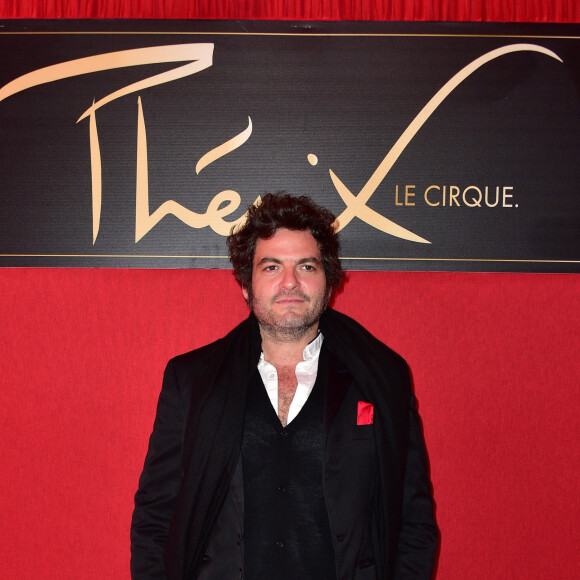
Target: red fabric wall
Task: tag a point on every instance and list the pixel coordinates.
(494, 360)
(447, 10)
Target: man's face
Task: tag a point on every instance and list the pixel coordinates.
(288, 292)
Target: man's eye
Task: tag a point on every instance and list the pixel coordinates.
(271, 268)
(308, 267)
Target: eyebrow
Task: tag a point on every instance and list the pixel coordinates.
(310, 259)
(278, 261)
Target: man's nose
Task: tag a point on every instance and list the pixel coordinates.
(290, 281)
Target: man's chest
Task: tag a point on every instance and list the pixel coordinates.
(287, 383)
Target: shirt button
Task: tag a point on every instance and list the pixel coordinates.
(283, 433)
(272, 375)
(280, 544)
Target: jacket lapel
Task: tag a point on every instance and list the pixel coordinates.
(337, 380)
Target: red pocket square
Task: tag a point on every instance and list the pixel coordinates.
(365, 413)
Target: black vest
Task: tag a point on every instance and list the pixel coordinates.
(286, 528)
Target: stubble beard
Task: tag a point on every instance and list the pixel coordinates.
(290, 327)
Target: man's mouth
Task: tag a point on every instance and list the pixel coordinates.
(290, 298)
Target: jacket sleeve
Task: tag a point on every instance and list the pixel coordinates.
(419, 535)
(159, 483)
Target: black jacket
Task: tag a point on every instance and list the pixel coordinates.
(195, 448)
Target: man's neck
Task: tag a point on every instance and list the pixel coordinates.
(280, 349)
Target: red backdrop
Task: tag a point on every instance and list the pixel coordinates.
(494, 360)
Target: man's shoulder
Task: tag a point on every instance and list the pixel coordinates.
(353, 336)
(373, 364)
(207, 353)
(197, 354)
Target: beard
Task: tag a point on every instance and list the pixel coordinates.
(288, 326)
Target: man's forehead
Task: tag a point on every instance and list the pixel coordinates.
(297, 244)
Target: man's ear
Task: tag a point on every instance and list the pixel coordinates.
(245, 294)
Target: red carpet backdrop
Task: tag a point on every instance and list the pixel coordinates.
(494, 359)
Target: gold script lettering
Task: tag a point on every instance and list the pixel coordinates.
(213, 217)
(356, 204)
(198, 57)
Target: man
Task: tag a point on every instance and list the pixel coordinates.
(291, 448)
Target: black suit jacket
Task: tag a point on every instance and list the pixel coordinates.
(378, 471)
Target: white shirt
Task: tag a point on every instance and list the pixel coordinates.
(306, 371)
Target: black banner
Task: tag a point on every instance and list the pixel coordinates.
(437, 146)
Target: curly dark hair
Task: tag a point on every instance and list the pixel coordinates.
(282, 210)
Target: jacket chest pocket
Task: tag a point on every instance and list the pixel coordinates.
(363, 432)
